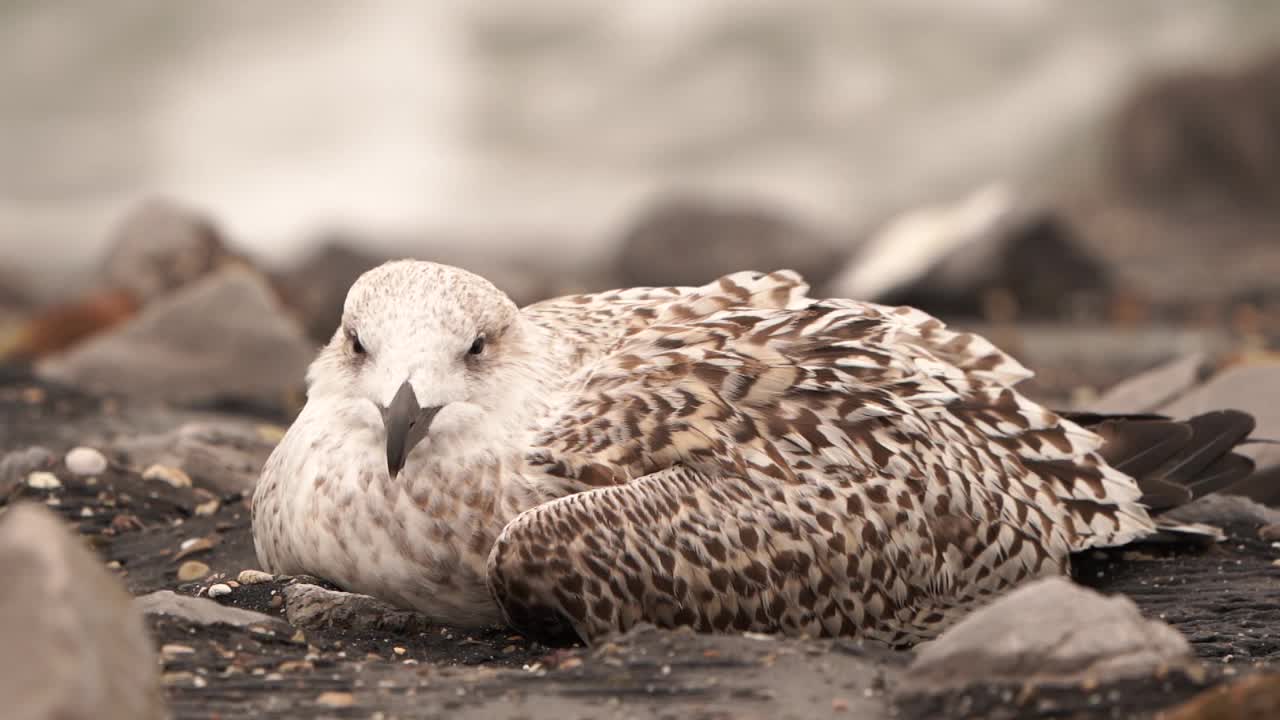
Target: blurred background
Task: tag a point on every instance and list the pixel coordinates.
(1094, 184)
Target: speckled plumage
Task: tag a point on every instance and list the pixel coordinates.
(737, 456)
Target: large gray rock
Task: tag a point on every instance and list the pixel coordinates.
(688, 241)
(203, 611)
(316, 287)
(985, 254)
(312, 606)
(1201, 138)
(1151, 390)
(160, 246)
(75, 647)
(1253, 388)
(225, 455)
(226, 337)
(1048, 630)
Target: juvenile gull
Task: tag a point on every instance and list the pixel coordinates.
(732, 457)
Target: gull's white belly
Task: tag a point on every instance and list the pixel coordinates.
(328, 508)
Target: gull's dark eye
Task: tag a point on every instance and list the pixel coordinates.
(477, 347)
(357, 347)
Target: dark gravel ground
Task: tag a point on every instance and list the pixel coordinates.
(1225, 599)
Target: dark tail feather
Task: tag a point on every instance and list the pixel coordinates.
(1262, 486)
(1175, 461)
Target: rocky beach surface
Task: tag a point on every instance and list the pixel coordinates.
(159, 494)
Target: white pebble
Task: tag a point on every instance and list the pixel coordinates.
(41, 480)
(85, 461)
(254, 577)
(172, 475)
(219, 589)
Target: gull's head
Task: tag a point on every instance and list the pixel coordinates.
(424, 350)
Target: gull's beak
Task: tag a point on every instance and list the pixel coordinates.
(406, 424)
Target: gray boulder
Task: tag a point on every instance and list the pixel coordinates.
(203, 611)
(74, 645)
(160, 246)
(1151, 390)
(316, 287)
(983, 255)
(691, 241)
(311, 606)
(225, 337)
(1048, 630)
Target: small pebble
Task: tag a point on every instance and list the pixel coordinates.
(194, 545)
(173, 650)
(172, 475)
(85, 461)
(253, 577)
(176, 678)
(219, 589)
(336, 699)
(42, 480)
(208, 507)
(399, 650)
(192, 570)
(86, 512)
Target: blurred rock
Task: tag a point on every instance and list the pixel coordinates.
(63, 325)
(312, 606)
(1222, 510)
(1201, 139)
(1253, 388)
(14, 301)
(1186, 211)
(691, 241)
(203, 611)
(1198, 383)
(161, 246)
(1155, 388)
(15, 466)
(980, 257)
(538, 279)
(1175, 264)
(1050, 630)
(224, 338)
(317, 286)
(74, 647)
(225, 456)
(156, 249)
